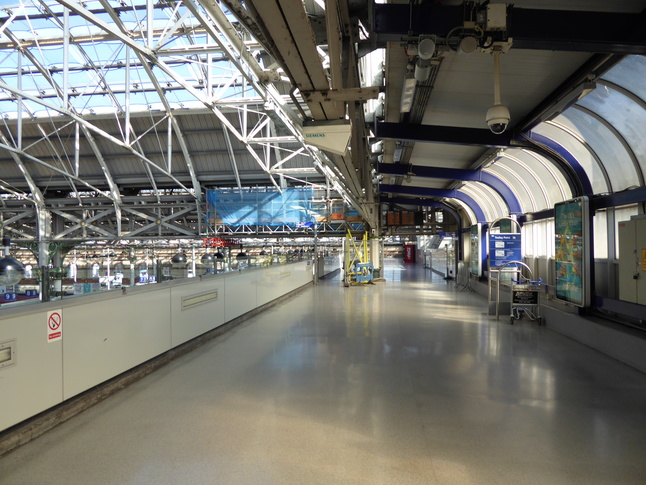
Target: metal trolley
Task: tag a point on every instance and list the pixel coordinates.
(525, 299)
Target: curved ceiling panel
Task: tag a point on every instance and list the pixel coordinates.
(608, 147)
(630, 74)
(489, 200)
(536, 183)
(516, 183)
(565, 141)
(625, 113)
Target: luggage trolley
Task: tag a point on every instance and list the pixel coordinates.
(525, 300)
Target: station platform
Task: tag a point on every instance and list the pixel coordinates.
(403, 382)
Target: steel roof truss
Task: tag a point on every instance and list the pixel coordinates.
(83, 224)
(161, 221)
(232, 157)
(61, 95)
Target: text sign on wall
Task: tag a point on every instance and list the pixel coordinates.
(504, 248)
(54, 325)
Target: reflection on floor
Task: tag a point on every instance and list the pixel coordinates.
(396, 383)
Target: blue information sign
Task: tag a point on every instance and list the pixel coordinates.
(504, 248)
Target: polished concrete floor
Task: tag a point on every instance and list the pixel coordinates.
(406, 382)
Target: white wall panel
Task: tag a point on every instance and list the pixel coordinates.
(108, 333)
(108, 337)
(196, 309)
(35, 382)
(240, 293)
(275, 281)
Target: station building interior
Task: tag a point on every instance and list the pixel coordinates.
(176, 152)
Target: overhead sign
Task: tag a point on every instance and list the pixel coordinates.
(54, 325)
(503, 249)
(330, 136)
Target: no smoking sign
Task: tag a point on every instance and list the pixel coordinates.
(54, 325)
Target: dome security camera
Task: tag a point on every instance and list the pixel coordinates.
(498, 118)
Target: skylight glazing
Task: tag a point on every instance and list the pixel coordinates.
(98, 71)
(128, 89)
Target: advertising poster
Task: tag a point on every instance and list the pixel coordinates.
(571, 221)
(475, 264)
(260, 205)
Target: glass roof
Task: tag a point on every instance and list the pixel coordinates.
(96, 77)
(124, 71)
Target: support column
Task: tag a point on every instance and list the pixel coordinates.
(377, 255)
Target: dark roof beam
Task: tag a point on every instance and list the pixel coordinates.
(443, 134)
(543, 29)
(437, 193)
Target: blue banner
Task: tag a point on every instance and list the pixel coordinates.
(261, 206)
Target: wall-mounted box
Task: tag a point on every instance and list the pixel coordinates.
(632, 260)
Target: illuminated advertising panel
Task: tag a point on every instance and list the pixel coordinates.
(572, 233)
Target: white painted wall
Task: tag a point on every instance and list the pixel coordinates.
(105, 338)
(197, 319)
(241, 293)
(35, 382)
(106, 334)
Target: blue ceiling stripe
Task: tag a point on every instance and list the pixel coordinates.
(486, 178)
(552, 144)
(428, 192)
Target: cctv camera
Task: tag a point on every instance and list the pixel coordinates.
(498, 118)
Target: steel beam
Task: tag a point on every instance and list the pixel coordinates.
(442, 134)
(556, 30)
(424, 203)
(93, 128)
(439, 193)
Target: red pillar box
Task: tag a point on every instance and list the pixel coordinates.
(409, 253)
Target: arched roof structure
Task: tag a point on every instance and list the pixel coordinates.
(107, 104)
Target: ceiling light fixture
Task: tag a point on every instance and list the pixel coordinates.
(11, 270)
(408, 90)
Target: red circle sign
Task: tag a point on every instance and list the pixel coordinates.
(54, 321)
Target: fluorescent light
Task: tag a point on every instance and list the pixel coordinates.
(408, 93)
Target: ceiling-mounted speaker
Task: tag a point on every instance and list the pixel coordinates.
(468, 45)
(426, 48)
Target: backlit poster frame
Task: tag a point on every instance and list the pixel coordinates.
(475, 266)
(572, 245)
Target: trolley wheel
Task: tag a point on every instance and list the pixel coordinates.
(540, 321)
(511, 319)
